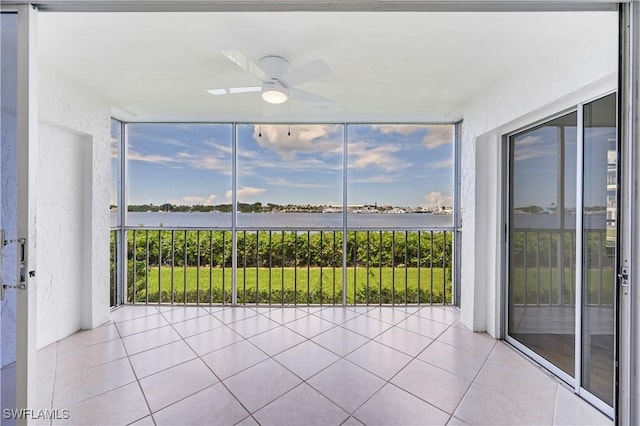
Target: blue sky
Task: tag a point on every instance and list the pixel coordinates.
(400, 165)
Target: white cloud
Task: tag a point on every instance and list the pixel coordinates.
(444, 164)
(290, 184)
(184, 160)
(246, 192)
(204, 162)
(191, 200)
(437, 199)
(377, 179)
(226, 148)
(529, 147)
(152, 158)
(303, 138)
(364, 154)
(437, 136)
(400, 129)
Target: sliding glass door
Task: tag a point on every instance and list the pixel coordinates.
(562, 246)
(599, 235)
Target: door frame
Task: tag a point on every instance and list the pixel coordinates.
(575, 380)
(26, 174)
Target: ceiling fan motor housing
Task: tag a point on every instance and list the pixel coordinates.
(274, 66)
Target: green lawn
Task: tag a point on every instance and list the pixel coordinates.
(295, 285)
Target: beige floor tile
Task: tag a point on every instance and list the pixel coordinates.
(359, 308)
(117, 407)
(176, 383)
(337, 315)
(403, 340)
(340, 340)
(346, 384)
(393, 406)
(99, 334)
(89, 356)
(211, 406)
(503, 377)
(366, 326)
(248, 421)
(276, 340)
(261, 384)
(306, 359)
(479, 343)
(197, 325)
(352, 421)
(379, 359)
(76, 386)
(312, 309)
(160, 358)
(310, 326)
(232, 314)
(454, 360)
(139, 325)
(485, 406)
(212, 340)
(46, 368)
(454, 421)
(284, 315)
(508, 387)
(234, 358)
(444, 314)
(571, 410)
(435, 386)
(149, 339)
(145, 421)
(420, 325)
(254, 325)
(213, 308)
(387, 314)
(301, 406)
(184, 313)
(129, 312)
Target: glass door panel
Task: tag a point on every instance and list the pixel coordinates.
(542, 240)
(599, 247)
(8, 210)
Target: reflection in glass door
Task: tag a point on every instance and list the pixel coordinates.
(599, 234)
(542, 246)
(563, 178)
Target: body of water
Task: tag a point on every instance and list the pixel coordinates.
(288, 220)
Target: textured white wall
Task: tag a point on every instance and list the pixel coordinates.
(65, 161)
(73, 213)
(562, 80)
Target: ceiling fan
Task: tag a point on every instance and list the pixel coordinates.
(278, 78)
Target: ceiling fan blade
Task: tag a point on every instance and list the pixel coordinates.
(245, 63)
(308, 97)
(234, 90)
(308, 72)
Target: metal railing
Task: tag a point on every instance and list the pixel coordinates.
(288, 266)
(114, 238)
(543, 267)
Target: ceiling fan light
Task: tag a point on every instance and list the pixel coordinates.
(274, 96)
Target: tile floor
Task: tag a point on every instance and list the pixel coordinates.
(298, 366)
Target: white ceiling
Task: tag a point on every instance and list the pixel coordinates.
(390, 67)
